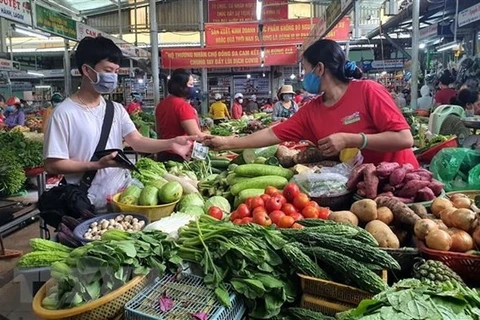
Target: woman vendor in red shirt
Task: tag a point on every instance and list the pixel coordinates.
(175, 116)
(348, 113)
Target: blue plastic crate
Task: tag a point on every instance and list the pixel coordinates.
(189, 294)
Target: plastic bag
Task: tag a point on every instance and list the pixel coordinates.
(457, 168)
(330, 182)
(106, 184)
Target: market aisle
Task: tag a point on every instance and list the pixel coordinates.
(14, 302)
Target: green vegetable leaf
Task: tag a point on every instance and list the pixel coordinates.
(127, 247)
(417, 309)
(222, 295)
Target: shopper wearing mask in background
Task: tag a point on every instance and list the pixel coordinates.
(285, 107)
(252, 106)
(237, 108)
(14, 115)
(445, 94)
(469, 100)
(135, 105)
(75, 126)
(218, 110)
(426, 101)
(346, 114)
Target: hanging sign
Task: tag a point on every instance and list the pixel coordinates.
(341, 31)
(292, 31)
(368, 65)
(120, 72)
(55, 22)
(245, 10)
(6, 64)
(469, 15)
(221, 58)
(16, 10)
(332, 12)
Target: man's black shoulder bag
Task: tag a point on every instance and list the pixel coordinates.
(71, 199)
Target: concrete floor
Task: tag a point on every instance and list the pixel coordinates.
(15, 296)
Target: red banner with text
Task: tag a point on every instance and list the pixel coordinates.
(245, 10)
(341, 32)
(292, 31)
(220, 58)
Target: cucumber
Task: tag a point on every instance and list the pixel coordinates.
(256, 170)
(249, 193)
(232, 179)
(220, 163)
(249, 155)
(259, 183)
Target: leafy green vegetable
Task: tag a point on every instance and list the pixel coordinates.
(28, 153)
(12, 175)
(150, 170)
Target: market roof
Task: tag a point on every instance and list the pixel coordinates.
(86, 7)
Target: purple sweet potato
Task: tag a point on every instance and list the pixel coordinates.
(424, 174)
(412, 176)
(425, 194)
(361, 185)
(408, 167)
(355, 176)
(386, 194)
(385, 169)
(397, 176)
(436, 187)
(411, 188)
(404, 200)
(401, 212)
(362, 193)
(371, 181)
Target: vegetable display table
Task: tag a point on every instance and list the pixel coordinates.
(472, 123)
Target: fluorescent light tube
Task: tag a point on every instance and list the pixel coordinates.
(259, 10)
(447, 46)
(31, 33)
(38, 74)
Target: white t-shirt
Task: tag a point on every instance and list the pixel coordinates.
(73, 133)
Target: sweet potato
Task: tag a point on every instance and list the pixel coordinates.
(425, 194)
(411, 188)
(371, 181)
(408, 167)
(309, 155)
(385, 169)
(412, 176)
(424, 174)
(362, 193)
(401, 212)
(420, 210)
(397, 176)
(404, 200)
(436, 187)
(386, 194)
(355, 176)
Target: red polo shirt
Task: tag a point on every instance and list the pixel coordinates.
(169, 115)
(365, 107)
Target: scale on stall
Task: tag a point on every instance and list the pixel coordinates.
(447, 120)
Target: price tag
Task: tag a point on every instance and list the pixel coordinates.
(199, 151)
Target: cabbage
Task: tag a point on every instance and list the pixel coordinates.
(219, 202)
(192, 199)
(193, 210)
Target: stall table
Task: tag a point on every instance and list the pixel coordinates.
(472, 123)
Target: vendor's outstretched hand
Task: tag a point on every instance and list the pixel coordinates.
(333, 144)
(216, 142)
(182, 145)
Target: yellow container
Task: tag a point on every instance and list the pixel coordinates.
(154, 213)
(107, 307)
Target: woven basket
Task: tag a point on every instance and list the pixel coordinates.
(337, 292)
(108, 307)
(341, 202)
(323, 305)
(467, 266)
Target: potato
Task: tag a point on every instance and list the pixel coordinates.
(383, 234)
(344, 217)
(365, 210)
(385, 215)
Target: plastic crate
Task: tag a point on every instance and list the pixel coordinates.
(189, 294)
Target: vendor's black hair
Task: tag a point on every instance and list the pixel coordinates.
(466, 96)
(333, 58)
(177, 85)
(93, 50)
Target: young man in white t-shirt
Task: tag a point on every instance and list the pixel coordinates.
(74, 129)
